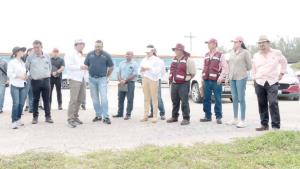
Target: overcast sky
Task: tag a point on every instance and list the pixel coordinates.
(132, 24)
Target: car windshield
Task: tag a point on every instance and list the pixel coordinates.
(290, 72)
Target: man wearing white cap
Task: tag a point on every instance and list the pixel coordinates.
(266, 64)
(78, 76)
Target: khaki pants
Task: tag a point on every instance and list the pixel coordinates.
(150, 93)
(77, 95)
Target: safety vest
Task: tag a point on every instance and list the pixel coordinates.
(178, 70)
(212, 70)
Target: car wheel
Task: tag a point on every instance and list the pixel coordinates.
(196, 96)
(64, 84)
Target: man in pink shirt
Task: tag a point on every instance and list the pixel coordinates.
(269, 66)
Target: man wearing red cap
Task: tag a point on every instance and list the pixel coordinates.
(182, 70)
(214, 72)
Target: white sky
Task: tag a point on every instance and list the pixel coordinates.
(132, 24)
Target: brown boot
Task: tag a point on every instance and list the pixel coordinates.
(262, 128)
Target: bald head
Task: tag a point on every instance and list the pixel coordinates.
(129, 55)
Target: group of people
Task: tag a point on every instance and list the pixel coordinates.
(38, 72)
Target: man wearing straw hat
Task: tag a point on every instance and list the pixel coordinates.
(266, 64)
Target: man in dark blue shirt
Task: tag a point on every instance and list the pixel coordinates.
(100, 66)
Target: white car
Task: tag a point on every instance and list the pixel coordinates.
(197, 92)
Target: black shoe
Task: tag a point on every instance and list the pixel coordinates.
(117, 116)
(49, 120)
(127, 117)
(83, 107)
(71, 124)
(162, 117)
(172, 120)
(30, 112)
(60, 107)
(185, 122)
(77, 121)
(34, 120)
(219, 121)
(150, 116)
(41, 107)
(26, 108)
(1, 111)
(205, 120)
(262, 128)
(97, 119)
(107, 121)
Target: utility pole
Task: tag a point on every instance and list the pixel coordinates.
(191, 37)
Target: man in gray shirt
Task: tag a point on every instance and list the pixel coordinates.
(39, 67)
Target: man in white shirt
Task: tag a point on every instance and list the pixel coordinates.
(78, 76)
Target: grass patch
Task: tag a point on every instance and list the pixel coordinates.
(272, 150)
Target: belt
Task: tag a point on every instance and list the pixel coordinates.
(96, 77)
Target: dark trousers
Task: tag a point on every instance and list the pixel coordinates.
(209, 87)
(38, 87)
(56, 81)
(130, 96)
(180, 93)
(267, 99)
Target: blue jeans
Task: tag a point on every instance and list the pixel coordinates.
(30, 96)
(2, 95)
(238, 88)
(130, 97)
(209, 87)
(161, 106)
(18, 96)
(98, 86)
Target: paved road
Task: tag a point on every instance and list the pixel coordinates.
(129, 134)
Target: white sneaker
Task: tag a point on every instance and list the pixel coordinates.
(232, 122)
(19, 123)
(14, 125)
(241, 124)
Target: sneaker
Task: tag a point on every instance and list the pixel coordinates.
(205, 120)
(219, 121)
(34, 120)
(107, 121)
(232, 122)
(127, 117)
(14, 125)
(71, 124)
(144, 119)
(262, 128)
(49, 120)
(77, 121)
(241, 124)
(60, 107)
(26, 108)
(97, 119)
(162, 117)
(83, 107)
(117, 116)
(172, 120)
(19, 123)
(185, 122)
(150, 116)
(275, 128)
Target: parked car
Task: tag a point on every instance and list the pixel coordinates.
(289, 85)
(197, 85)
